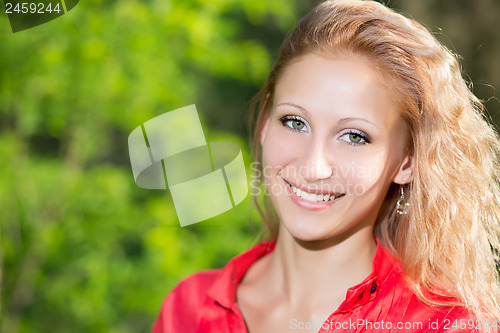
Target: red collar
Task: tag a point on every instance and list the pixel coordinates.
(223, 291)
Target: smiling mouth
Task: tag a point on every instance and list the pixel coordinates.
(313, 197)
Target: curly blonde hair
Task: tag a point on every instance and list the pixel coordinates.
(448, 243)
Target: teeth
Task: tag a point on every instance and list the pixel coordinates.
(313, 197)
(310, 196)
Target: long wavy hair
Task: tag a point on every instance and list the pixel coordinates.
(448, 242)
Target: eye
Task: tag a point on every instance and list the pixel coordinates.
(355, 137)
(294, 122)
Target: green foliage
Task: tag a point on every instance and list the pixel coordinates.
(82, 248)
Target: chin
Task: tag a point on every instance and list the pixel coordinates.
(307, 232)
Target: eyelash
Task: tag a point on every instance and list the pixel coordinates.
(286, 119)
(359, 133)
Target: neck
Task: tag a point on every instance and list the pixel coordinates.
(312, 274)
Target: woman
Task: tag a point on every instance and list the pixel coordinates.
(383, 181)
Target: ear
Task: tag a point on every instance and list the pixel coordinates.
(405, 173)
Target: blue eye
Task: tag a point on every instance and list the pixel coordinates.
(355, 137)
(295, 123)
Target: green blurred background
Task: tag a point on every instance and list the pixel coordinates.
(82, 248)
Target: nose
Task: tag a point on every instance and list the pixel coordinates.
(316, 165)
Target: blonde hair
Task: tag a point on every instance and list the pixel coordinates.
(448, 242)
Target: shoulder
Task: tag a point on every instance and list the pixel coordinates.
(179, 311)
(408, 311)
(205, 296)
(196, 284)
(401, 309)
(399, 305)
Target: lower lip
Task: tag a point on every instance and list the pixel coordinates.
(317, 205)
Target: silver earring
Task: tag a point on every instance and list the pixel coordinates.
(401, 205)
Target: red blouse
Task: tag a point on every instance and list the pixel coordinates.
(383, 302)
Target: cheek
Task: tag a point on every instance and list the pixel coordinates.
(280, 150)
(362, 172)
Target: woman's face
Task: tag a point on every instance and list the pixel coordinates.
(331, 147)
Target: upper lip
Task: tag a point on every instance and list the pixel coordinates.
(312, 190)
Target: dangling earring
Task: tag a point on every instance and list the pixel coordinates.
(401, 205)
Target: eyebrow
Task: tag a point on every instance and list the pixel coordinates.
(341, 121)
(347, 119)
(304, 111)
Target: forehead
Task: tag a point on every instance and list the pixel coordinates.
(345, 85)
(346, 78)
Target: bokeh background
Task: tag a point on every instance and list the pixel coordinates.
(82, 248)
